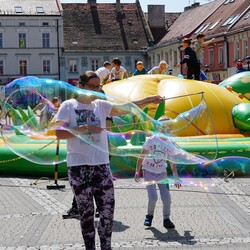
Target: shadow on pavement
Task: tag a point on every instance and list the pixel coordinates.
(117, 226)
(173, 235)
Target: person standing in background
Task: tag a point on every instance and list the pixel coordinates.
(199, 47)
(118, 72)
(239, 67)
(103, 72)
(190, 59)
(140, 69)
(160, 69)
(199, 50)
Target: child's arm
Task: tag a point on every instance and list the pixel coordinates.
(207, 42)
(177, 181)
(139, 164)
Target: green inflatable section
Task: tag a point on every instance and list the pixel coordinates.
(241, 116)
(11, 164)
(240, 83)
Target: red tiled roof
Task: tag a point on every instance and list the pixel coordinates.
(101, 27)
(243, 22)
(223, 13)
(189, 20)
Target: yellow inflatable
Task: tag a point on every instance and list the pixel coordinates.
(179, 98)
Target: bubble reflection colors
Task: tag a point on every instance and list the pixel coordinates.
(31, 135)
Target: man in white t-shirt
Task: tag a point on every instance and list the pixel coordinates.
(118, 72)
(160, 69)
(103, 72)
(82, 122)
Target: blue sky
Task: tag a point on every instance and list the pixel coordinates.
(170, 5)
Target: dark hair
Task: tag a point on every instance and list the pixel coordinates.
(117, 61)
(55, 99)
(200, 35)
(83, 79)
(187, 40)
(86, 76)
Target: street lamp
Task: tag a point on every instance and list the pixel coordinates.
(248, 62)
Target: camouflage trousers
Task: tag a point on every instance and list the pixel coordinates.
(89, 184)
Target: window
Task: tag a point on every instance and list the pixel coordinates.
(211, 57)
(199, 29)
(228, 1)
(45, 40)
(166, 57)
(23, 67)
(127, 61)
(245, 48)
(247, 16)
(72, 66)
(18, 9)
(220, 55)
(236, 51)
(46, 67)
(158, 58)
(45, 24)
(233, 19)
(230, 20)
(1, 40)
(22, 40)
(175, 58)
(21, 24)
(170, 55)
(204, 27)
(212, 26)
(39, 10)
(1, 67)
(94, 64)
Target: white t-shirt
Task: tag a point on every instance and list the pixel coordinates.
(156, 70)
(91, 149)
(158, 152)
(102, 73)
(118, 74)
(199, 52)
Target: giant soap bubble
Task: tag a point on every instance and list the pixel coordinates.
(31, 135)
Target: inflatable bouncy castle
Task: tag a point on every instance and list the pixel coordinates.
(207, 120)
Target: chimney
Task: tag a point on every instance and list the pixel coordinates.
(156, 16)
(92, 2)
(187, 8)
(118, 6)
(194, 5)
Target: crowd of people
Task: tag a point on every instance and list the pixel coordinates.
(193, 59)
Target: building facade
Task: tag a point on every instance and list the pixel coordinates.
(227, 21)
(95, 32)
(31, 39)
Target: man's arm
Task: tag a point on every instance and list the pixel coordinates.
(121, 109)
(207, 42)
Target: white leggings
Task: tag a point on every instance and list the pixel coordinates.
(152, 193)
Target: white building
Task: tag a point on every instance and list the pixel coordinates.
(31, 38)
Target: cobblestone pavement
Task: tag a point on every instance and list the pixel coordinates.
(208, 214)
